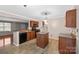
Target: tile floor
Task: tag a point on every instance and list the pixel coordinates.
(30, 47)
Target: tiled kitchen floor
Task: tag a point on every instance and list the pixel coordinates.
(30, 47)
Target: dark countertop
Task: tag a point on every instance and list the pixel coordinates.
(5, 33)
(11, 32)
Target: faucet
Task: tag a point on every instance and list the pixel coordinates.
(73, 32)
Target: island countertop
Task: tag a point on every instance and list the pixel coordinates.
(42, 32)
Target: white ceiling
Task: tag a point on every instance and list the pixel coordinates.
(34, 11)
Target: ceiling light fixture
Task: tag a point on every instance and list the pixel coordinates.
(45, 14)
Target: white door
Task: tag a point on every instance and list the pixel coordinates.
(77, 41)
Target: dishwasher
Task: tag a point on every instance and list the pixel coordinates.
(22, 37)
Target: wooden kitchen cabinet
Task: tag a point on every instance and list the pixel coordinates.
(42, 40)
(71, 18)
(30, 35)
(34, 23)
(6, 39)
(1, 43)
(67, 45)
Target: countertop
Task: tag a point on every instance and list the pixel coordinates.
(42, 32)
(5, 33)
(67, 35)
(25, 30)
(11, 32)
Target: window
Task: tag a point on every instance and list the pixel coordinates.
(5, 26)
(1, 26)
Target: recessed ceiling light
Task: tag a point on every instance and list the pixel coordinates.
(25, 5)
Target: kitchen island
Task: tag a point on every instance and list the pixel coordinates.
(42, 39)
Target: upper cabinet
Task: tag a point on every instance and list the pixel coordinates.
(34, 23)
(71, 18)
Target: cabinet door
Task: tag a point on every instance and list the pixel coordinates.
(70, 45)
(33, 23)
(28, 35)
(1, 42)
(7, 41)
(31, 35)
(62, 45)
(71, 18)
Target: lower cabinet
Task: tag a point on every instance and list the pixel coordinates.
(5, 40)
(30, 35)
(1, 42)
(67, 45)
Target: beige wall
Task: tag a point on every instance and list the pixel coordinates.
(57, 26)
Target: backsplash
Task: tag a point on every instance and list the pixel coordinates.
(19, 26)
